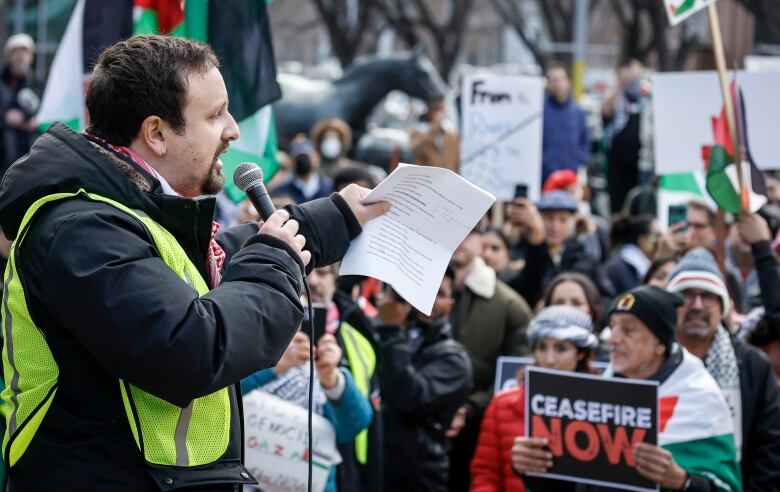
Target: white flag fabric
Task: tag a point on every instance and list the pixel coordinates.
(679, 10)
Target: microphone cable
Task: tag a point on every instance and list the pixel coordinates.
(311, 379)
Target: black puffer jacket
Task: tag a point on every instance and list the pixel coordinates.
(760, 420)
(424, 380)
(539, 270)
(110, 308)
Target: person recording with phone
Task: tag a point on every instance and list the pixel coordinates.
(336, 395)
(129, 320)
(337, 315)
(425, 377)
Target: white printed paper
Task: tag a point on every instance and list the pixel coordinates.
(432, 211)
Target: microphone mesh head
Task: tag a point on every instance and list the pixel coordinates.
(247, 175)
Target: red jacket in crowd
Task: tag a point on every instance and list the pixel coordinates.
(491, 468)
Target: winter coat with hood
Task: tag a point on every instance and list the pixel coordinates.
(110, 308)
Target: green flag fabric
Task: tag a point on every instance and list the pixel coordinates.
(238, 31)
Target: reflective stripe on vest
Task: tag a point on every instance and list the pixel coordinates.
(164, 433)
(362, 363)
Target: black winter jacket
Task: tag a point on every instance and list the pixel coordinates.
(760, 395)
(424, 380)
(110, 308)
(539, 270)
(760, 420)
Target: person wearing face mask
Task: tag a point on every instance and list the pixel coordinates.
(332, 138)
(19, 99)
(561, 338)
(425, 376)
(306, 182)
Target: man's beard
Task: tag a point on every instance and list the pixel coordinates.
(698, 331)
(215, 181)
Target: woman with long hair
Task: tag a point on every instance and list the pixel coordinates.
(578, 291)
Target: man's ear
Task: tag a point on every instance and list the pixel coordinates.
(152, 135)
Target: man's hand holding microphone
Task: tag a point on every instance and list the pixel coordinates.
(277, 223)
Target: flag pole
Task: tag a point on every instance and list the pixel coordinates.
(720, 62)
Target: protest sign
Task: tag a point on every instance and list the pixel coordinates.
(501, 138)
(276, 444)
(592, 424)
(757, 63)
(508, 369)
(679, 10)
(684, 104)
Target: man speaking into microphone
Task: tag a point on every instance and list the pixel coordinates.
(127, 321)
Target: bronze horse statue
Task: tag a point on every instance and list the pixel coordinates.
(351, 98)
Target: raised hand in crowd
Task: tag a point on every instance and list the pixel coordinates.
(327, 359)
(674, 241)
(753, 228)
(657, 465)
(523, 212)
(297, 353)
(530, 454)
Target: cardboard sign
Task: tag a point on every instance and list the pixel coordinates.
(501, 136)
(277, 446)
(509, 367)
(592, 424)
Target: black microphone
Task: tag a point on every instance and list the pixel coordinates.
(249, 179)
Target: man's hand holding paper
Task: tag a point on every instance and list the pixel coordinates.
(431, 212)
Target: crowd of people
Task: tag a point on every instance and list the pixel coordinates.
(714, 325)
(410, 395)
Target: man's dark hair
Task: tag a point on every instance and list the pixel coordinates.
(139, 77)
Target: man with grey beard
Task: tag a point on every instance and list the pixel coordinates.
(742, 372)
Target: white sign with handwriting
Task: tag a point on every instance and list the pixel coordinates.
(277, 444)
(501, 139)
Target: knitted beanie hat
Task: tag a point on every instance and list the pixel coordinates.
(699, 270)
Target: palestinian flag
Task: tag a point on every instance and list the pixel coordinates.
(63, 97)
(238, 31)
(679, 10)
(695, 425)
(722, 181)
(240, 34)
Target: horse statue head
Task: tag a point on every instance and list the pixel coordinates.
(419, 78)
(352, 97)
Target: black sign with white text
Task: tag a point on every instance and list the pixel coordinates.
(592, 424)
